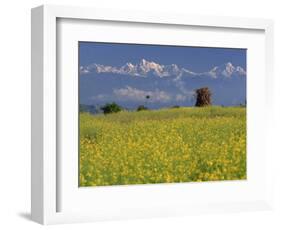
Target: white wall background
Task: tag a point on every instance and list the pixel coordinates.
(15, 113)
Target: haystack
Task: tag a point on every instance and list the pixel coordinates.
(203, 97)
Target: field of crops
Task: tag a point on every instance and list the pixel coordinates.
(163, 146)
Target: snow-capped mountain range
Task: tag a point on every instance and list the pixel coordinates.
(167, 85)
(145, 68)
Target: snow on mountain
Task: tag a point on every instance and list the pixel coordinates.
(167, 85)
(227, 70)
(144, 68)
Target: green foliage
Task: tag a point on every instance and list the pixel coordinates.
(163, 146)
(141, 107)
(111, 108)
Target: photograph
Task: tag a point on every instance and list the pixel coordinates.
(151, 113)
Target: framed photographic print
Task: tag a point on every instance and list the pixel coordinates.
(137, 114)
(148, 122)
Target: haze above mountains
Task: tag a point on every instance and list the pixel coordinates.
(167, 85)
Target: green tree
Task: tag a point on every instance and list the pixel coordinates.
(141, 107)
(111, 108)
(147, 97)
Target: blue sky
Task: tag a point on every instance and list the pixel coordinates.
(197, 59)
(114, 81)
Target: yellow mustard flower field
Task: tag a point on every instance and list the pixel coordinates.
(185, 144)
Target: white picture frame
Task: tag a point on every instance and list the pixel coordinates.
(45, 206)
